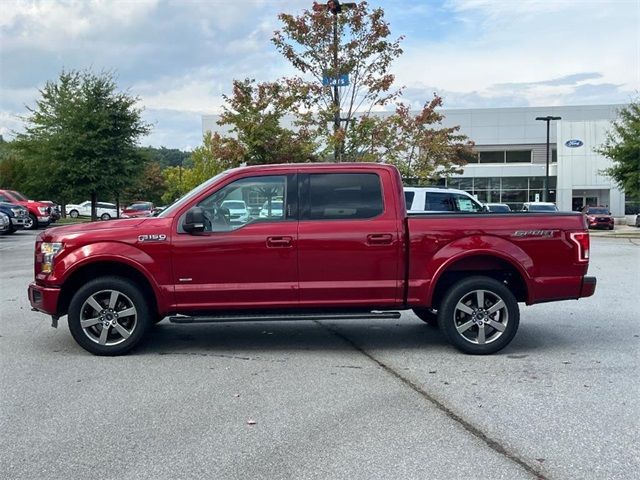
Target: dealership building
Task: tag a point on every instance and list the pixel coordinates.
(510, 164)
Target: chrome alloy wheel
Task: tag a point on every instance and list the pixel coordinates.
(108, 317)
(481, 317)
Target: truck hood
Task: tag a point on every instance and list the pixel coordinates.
(75, 230)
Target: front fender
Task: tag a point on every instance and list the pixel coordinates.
(157, 273)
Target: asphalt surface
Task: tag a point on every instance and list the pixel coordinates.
(297, 400)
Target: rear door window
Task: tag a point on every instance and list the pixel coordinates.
(337, 196)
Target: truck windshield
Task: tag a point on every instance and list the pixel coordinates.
(167, 212)
(19, 196)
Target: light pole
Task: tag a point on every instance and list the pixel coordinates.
(545, 192)
(335, 7)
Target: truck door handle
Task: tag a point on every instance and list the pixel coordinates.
(380, 239)
(279, 242)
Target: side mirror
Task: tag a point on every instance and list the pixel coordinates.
(194, 220)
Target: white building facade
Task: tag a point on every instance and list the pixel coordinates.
(511, 155)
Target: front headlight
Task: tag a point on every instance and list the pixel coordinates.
(49, 251)
(42, 210)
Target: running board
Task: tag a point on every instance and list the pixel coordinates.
(283, 318)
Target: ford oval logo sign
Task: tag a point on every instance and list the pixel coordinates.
(574, 143)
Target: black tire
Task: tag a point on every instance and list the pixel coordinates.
(11, 230)
(611, 227)
(427, 315)
(31, 223)
(470, 328)
(74, 214)
(105, 216)
(136, 324)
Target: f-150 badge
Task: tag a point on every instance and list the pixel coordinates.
(153, 237)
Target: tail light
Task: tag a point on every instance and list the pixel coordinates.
(581, 240)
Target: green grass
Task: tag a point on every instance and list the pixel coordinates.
(72, 221)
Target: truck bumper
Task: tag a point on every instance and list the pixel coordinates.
(44, 299)
(588, 286)
(17, 223)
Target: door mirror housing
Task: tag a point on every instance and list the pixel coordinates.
(194, 220)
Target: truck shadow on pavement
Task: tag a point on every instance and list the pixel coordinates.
(166, 338)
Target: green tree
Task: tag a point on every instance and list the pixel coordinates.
(255, 113)
(166, 157)
(622, 146)
(150, 185)
(82, 134)
(216, 154)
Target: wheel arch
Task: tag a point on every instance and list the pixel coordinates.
(103, 268)
(480, 263)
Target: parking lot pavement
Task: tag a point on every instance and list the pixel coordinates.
(329, 400)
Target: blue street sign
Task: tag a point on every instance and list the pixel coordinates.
(341, 81)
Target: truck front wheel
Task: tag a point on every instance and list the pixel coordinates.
(31, 222)
(479, 315)
(109, 316)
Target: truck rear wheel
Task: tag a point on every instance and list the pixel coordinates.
(427, 315)
(109, 316)
(479, 315)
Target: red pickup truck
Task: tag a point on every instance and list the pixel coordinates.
(322, 241)
(39, 212)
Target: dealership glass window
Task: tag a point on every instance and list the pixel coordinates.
(492, 157)
(220, 216)
(532, 195)
(336, 196)
(518, 156)
(461, 183)
(514, 183)
(514, 196)
(536, 182)
(554, 155)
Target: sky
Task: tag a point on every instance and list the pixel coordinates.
(180, 57)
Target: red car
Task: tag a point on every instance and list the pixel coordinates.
(342, 247)
(598, 217)
(137, 209)
(39, 212)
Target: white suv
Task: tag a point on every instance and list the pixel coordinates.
(433, 199)
(105, 211)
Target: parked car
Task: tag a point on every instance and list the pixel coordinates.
(638, 220)
(535, 207)
(17, 214)
(274, 212)
(434, 199)
(344, 248)
(137, 209)
(238, 212)
(498, 207)
(104, 210)
(55, 210)
(39, 213)
(598, 217)
(5, 223)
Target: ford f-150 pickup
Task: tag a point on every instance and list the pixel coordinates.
(322, 241)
